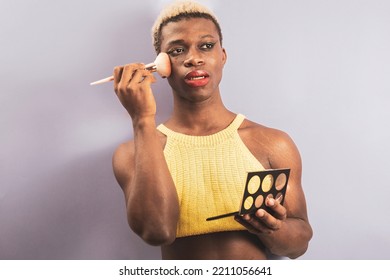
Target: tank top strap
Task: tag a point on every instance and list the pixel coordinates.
(236, 123)
(164, 130)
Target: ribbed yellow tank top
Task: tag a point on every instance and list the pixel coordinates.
(210, 174)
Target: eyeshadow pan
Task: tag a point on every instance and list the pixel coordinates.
(248, 202)
(280, 181)
(259, 201)
(254, 184)
(266, 185)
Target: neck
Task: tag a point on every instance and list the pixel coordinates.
(200, 118)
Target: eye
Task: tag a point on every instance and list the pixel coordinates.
(176, 51)
(207, 46)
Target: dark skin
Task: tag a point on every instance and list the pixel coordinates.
(193, 44)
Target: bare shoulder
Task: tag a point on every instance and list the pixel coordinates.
(253, 129)
(274, 148)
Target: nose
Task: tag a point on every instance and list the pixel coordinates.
(193, 58)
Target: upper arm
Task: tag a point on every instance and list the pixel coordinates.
(123, 162)
(285, 154)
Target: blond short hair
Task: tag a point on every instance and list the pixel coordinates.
(179, 10)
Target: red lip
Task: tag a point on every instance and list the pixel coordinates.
(197, 78)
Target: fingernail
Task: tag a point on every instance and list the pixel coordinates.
(260, 213)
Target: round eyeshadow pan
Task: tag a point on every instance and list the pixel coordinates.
(259, 201)
(254, 184)
(281, 181)
(266, 185)
(248, 202)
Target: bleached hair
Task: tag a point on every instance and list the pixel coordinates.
(179, 10)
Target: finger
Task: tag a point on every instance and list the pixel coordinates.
(118, 73)
(278, 210)
(150, 78)
(117, 76)
(128, 73)
(139, 76)
(252, 225)
(247, 225)
(267, 219)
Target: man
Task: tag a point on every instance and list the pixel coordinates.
(194, 165)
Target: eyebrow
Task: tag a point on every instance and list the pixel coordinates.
(181, 41)
(175, 42)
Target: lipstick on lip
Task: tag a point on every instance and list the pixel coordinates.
(197, 78)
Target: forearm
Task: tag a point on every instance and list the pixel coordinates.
(152, 202)
(291, 240)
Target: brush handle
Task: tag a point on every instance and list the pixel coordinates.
(222, 216)
(151, 67)
(102, 81)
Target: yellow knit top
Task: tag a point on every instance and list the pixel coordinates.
(209, 173)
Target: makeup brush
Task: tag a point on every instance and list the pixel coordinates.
(161, 65)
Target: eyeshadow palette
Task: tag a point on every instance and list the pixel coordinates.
(262, 185)
(259, 186)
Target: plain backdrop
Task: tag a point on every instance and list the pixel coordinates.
(319, 70)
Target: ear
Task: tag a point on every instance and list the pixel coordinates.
(224, 56)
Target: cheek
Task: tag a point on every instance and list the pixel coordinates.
(175, 67)
(174, 79)
(218, 67)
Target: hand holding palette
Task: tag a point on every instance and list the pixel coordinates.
(271, 183)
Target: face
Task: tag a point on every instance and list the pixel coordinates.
(197, 58)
